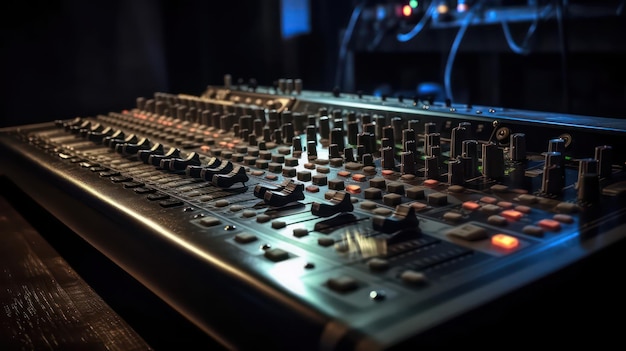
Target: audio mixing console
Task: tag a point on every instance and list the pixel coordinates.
(356, 222)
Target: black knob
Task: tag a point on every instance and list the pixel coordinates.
(493, 161)
(553, 177)
(518, 147)
(407, 162)
(237, 175)
(339, 203)
(403, 224)
(588, 183)
(292, 192)
(144, 155)
(604, 156)
(456, 172)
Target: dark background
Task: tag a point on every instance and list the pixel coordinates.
(66, 58)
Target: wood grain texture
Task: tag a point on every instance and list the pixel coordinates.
(45, 305)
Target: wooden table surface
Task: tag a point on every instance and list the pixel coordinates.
(45, 305)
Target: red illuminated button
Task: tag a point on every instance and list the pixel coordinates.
(431, 182)
(504, 241)
(387, 172)
(353, 189)
(550, 224)
(512, 215)
(358, 177)
(471, 206)
(343, 173)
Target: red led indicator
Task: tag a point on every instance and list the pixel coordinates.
(504, 241)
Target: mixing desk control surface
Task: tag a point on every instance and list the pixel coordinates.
(360, 222)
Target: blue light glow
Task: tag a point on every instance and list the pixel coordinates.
(295, 18)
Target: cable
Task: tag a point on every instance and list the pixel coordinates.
(420, 25)
(455, 47)
(523, 48)
(347, 36)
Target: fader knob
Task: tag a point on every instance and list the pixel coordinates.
(388, 161)
(339, 203)
(407, 162)
(431, 167)
(459, 134)
(403, 224)
(552, 181)
(493, 161)
(179, 164)
(155, 159)
(456, 172)
(517, 148)
(144, 155)
(588, 183)
(604, 156)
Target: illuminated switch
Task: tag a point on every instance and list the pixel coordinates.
(504, 241)
(358, 177)
(354, 189)
(470, 206)
(512, 215)
(550, 225)
(343, 174)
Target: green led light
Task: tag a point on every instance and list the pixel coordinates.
(413, 3)
(568, 158)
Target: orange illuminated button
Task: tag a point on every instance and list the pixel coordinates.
(470, 206)
(358, 177)
(353, 189)
(343, 173)
(205, 148)
(504, 241)
(550, 224)
(512, 215)
(431, 182)
(387, 172)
